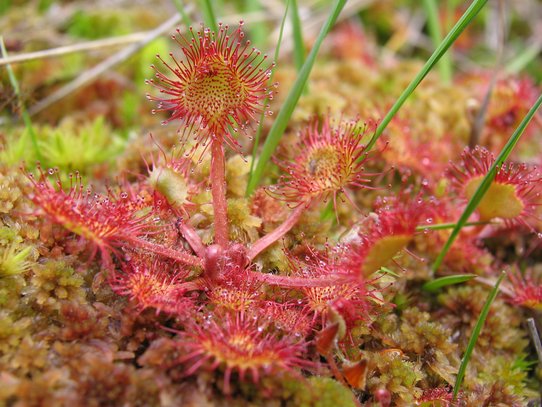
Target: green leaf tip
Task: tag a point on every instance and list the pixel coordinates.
(475, 334)
(438, 283)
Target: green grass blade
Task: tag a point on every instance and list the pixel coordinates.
(438, 283)
(328, 213)
(457, 29)
(299, 45)
(258, 32)
(277, 130)
(24, 113)
(475, 333)
(486, 182)
(179, 4)
(4, 6)
(437, 55)
(262, 117)
(535, 338)
(435, 32)
(385, 270)
(523, 58)
(208, 14)
(451, 225)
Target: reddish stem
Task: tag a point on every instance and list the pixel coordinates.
(335, 369)
(297, 282)
(180, 256)
(218, 191)
(194, 285)
(266, 241)
(193, 239)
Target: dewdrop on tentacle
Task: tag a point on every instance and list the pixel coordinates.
(328, 159)
(221, 83)
(239, 346)
(102, 220)
(514, 194)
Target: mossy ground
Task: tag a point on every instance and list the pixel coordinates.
(67, 339)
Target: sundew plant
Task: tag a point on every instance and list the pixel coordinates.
(351, 219)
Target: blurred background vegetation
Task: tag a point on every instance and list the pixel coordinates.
(91, 97)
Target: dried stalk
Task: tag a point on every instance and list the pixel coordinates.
(143, 39)
(73, 48)
(91, 74)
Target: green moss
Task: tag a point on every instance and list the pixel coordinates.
(243, 225)
(513, 374)
(311, 229)
(12, 331)
(394, 372)
(237, 168)
(423, 338)
(171, 184)
(93, 24)
(9, 235)
(317, 391)
(502, 330)
(10, 193)
(13, 261)
(69, 147)
(54, 282)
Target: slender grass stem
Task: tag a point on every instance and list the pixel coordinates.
(435, 32)
(523, 58)
(533, 330)
(438, 283)
(480, 118)
(209, 14)
(281, 122)
(258, 32)
(486, 182)
(24, 113)
(262, 116)
(450, 225)
(101, 44)
(299, 45)
(475, 334)
(454, 33)
(179, 4)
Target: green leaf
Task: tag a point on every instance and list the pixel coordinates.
(451, 225)
(277, 130)
(475, 333)
(299, 45)
(486, 182)
(435, 32)
(209, 15)
(262, 117)
(24, 113)
(179, 4)
(523, 58)
(258, 32)
(454, 33)
(4, 6)
(535, 337)
(439, 53)
(385, 270)
(438, 283)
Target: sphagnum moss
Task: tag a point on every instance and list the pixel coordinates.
(175, 307)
